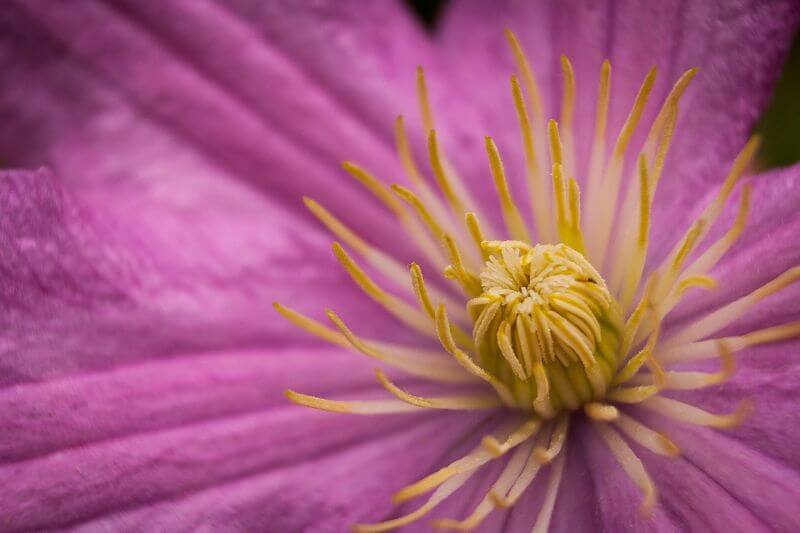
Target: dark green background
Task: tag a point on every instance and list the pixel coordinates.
(780, 124)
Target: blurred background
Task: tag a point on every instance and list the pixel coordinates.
(779, 126)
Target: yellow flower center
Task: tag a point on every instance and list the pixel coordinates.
(546, 325)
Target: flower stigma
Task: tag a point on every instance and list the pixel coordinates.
(553, 320)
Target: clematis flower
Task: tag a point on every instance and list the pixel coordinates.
(597, 330)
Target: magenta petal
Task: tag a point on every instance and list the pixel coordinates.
(166, 94)
(125, 279)
(292, 467)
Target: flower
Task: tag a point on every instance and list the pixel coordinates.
(143, 369)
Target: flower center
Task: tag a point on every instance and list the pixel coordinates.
(546, 325)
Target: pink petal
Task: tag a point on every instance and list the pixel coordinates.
(92, 287)
(289, 467)
(238, 95)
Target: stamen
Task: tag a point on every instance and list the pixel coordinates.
(699, 380)
(456, 203)
(532, 467)
(311, 326)
(557, 439)
(556, 148)
(567, 110)
(401, 310)
(385, 264)
(597, 161)
(485, 507)
(458, 403)
(471, 461)
(635, 267)
(636, 362)
(631, 463)
(411, 226)
(521, 434)
(431, 366)
(703, 224)
(445, 337)
(445, 175)
(511, 215)
(365, 407)
(469, 281)
(694, 415)
(602, 204)
(652, 440)
(635, 319)
(412, 171)
(632, 394)
(421, 292)
(411, 199)
(696, 281)
(601, 411)
(542, 524)
(726, 315)
(670, 103)
(475, 232)
(528, 79)
(440, 494)
(714, 253)
(536, 185)
(424, 101)
(707, 349)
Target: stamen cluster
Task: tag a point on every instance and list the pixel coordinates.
(546, 325)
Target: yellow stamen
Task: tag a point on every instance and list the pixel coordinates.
(475, 232)
(726, 315)
(597, 160)
(365, 407)
(469, 462)
(521, 434)
(424, 101)
(528, 78)
(542, 524)
(601, 411)
(470, 282)
(412, 170)
(430, 366)
(537, 188)
(707, 349)
(458, 403)
(699, 281)
(503, 483)
(379, 191)
(603, 203)
(699, 380)
(445, 490)
(401, 310)
(453, 199)
(567, 110)
(633, 270)
(632, 394)
(511, 215)
(631, 463)
(652, 440)
(694, 415)
(531, 468)
(443, 331)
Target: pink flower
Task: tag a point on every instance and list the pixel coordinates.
(144, 369)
